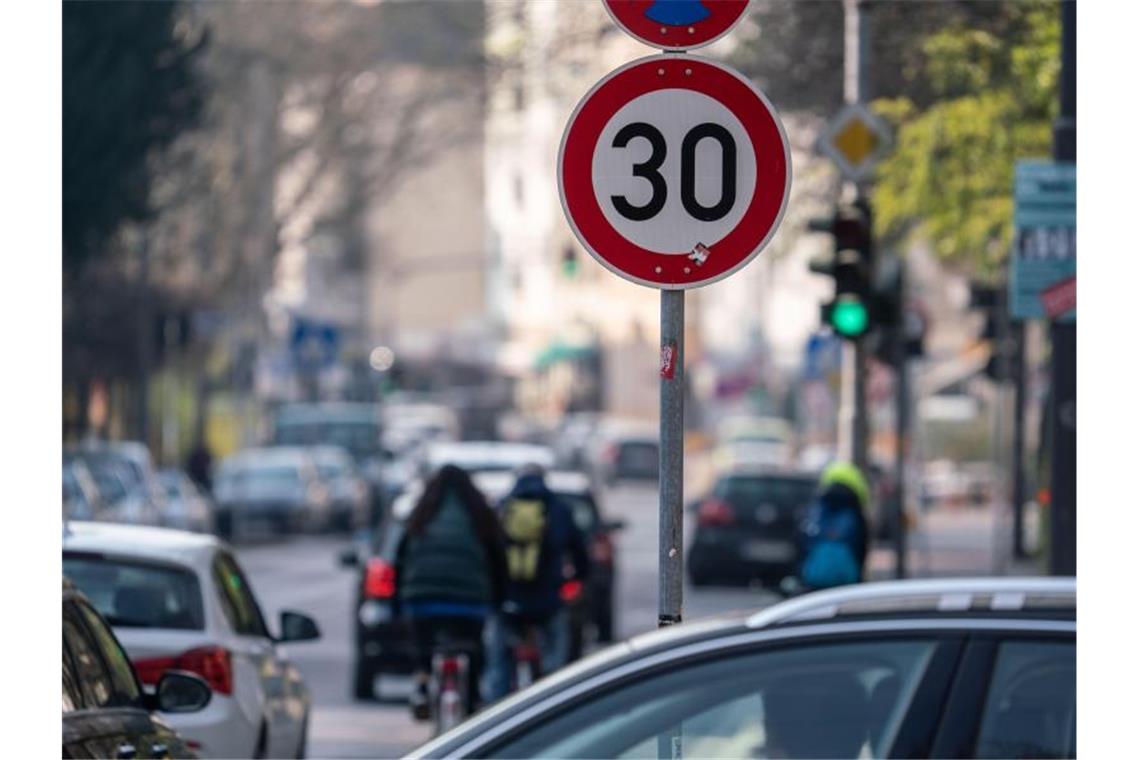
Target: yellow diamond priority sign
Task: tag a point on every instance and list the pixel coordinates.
(856, 140)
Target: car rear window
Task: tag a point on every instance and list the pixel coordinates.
(138, 594)
(783, 493)
(583, 508)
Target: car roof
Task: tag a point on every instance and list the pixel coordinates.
(268, 455)
(488, 453)
(765, 470)
(144, 542)
(892, 603)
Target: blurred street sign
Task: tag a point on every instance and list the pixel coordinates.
(1045, 241)
(674, 171)
(822, 356)
(314, 345)
(676, 24)
(856, 140)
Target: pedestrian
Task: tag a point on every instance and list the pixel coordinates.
(450, 575)
(199, 466)
(542, 539)
(834, 534)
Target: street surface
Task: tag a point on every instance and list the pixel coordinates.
(304, 574)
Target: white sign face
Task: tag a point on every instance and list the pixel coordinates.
(672, 169)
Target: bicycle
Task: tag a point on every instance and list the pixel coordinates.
(525, 652)
(452, 688)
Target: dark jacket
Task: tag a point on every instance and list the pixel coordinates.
(535, 593)
(447, 561)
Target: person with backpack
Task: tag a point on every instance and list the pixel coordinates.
(451, 573)
(542, 539)
(834, 534)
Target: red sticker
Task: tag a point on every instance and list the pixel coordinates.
(668, 360)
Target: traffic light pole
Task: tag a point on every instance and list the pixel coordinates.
(856, 44)
(1063, 336)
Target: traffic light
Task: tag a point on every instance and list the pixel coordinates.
(569, 261)
(849, 313)
(991, 302)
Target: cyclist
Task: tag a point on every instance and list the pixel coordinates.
(450, 575)
(834, 535)
(541, 539)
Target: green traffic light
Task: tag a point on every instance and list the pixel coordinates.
(849, 317)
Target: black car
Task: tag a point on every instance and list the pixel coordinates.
(746, 528)
(106, 713)
(971, 668)
(383, 644)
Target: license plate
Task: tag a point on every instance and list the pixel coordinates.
(769, 551)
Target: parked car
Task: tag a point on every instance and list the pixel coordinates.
(278, 485)
(179, 601)
(187, 508)
(81, 497)
(746, 528)
(572, 440)
(592, 607)
(125, 475)
(348, 491)
(106, 712)
(928, 668)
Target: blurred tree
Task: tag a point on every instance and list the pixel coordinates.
(950, 177)
(129, 88)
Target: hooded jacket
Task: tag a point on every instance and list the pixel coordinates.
(541, 534)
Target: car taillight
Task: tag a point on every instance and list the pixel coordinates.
(449, 666)
(570, 590)
(213, 664)
(602, 549)
(379, 579)
(715, 513)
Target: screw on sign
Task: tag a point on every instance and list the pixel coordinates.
(674, 171)
(676, 24)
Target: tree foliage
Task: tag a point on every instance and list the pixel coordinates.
(993, 91)
(129, 89)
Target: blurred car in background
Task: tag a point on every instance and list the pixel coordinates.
(81, 497)
(179, 601)
(746, 527)
(410, 425)
(187, 508)
(348, 491)
(106, 712)
(127, 481)
(621, 452)
(485, 456)
(753, 441)
(278, 485)
(591, 607)
(573, 437)
(974, 667)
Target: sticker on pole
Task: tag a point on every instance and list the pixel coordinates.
(676, 24)
(674, 171)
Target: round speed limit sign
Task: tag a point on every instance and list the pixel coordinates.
(674, 171)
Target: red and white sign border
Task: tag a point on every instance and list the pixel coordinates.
(664, 44)
(665, 62)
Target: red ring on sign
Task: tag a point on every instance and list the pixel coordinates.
(756, 226)
(631, 16)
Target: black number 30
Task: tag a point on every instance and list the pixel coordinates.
(649, 169)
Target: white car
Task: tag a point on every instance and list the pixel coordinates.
(180, 601)
(486, 456)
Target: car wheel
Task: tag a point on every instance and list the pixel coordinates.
(362, 683)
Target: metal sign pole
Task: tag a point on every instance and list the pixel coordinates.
(670, 473)
(670, 476)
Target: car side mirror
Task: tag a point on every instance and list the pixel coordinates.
(614, 525)
(296, 626)
(350, 557)
(180, 692)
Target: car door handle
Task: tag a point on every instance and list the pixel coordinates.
(126, 752)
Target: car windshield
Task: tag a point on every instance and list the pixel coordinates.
(747, 491)
(362, 439)
(134, 594)
(264, 478)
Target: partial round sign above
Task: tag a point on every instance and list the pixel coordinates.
(674, 171)
(676, 24)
